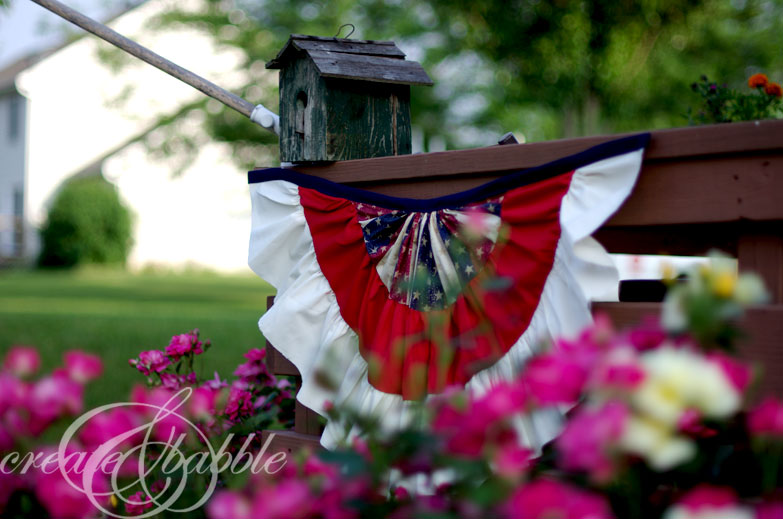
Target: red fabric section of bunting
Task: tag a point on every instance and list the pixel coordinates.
(414, 353)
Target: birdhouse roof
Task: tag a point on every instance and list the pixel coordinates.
(366, 60)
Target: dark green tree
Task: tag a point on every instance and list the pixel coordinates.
(542, 69)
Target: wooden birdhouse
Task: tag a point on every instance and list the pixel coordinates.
(343, 99)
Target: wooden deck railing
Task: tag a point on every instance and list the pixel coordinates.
(700, 188)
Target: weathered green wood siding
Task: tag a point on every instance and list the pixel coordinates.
(338, 119)
(367, 119)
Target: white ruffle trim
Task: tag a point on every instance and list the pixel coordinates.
(305, 324)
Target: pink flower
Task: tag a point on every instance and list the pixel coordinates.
(22, 361)
(228, 505)
(137, 503)
(290, 499)
(766, 418)
(769, 510)
(401, 494)
(240, 402)
(83, 367)
(690, 424)
(255, 354)
(586, 442)
(13, 392)
(707, 502)
(215, 382)
(183, 344)
(512, 461)
(619, 370)
(546, 499)
(149, 361)
(202, 403)
(738, 373)
(254, 371)
(175, 382)
(6, 443)
(107, 425)
(501, 401)
(554, 379)
(55, 396)
(60, 499)
(170, 426)
(468, 425)
(648, 335)
(9, 483)
(708, 496)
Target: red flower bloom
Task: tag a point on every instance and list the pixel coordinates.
(757, 80)
(774, 89)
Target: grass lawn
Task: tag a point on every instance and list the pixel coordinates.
(117, 314)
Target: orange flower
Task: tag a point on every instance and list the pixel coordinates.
(774, 89)
(757, 80)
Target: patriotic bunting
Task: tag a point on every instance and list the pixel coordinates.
(396, 299)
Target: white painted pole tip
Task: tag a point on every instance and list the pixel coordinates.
(265, 117)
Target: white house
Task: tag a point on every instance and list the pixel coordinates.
(59, 117)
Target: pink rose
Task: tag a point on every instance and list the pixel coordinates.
(587, 439)
(83, 367)
(13, 392)
(137, 503)
(228, 505)
(183, 344)
(554, 379)
(545, 499)
(149, 361)
(648, 335)
(738, 373)
(290, 499)
(22, 361)
(706, 502)
(63, 501)
(240, 402)
(107, 425)
(770, 510)
(766, 418)
(512, 461)
(55, 396)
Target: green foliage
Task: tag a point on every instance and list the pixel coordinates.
(113, 313)
(721, 104)
(540, 69)
(87, 223)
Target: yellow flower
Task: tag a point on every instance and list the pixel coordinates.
(723, 284)
(678, 379)
(656, 443)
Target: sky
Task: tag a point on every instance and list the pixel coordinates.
(26, 27)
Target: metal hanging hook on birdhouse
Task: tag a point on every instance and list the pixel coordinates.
(352, 26)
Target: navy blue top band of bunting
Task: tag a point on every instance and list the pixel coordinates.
(490, 189)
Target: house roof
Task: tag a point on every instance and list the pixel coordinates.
(366, 60)
(9, 72)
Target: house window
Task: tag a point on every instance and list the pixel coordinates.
(14, 117)
(18, 221)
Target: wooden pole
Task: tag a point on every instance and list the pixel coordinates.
(212, 90)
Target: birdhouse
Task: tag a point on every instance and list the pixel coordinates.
(343, 99)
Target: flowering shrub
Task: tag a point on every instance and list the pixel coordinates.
(220, 409)
(655, 428)
(721, 104)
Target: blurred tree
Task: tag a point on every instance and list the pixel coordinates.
(541, 69)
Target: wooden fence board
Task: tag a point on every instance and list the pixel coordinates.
(763, 345)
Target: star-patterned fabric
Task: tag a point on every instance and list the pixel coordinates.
(425, 259)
